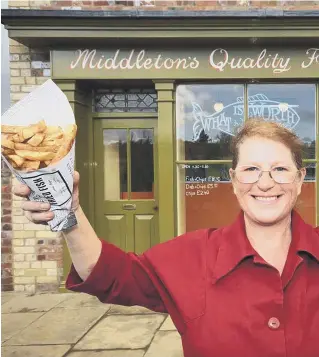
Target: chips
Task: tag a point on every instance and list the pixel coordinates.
(28, 148)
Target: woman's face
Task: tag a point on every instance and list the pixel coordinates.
(266, 202)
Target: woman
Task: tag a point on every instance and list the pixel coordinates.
(250, 289)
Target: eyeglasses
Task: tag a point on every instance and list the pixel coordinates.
(251, 174)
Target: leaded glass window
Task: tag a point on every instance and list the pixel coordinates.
(125, 100)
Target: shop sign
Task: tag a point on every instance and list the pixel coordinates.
(186, 63)
(276, 62)
(227, 118)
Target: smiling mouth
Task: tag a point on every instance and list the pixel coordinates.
(266, 198)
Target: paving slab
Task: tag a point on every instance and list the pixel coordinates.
(166, 343)
(122, 332)
(79, 300)
(35, 303)
(168, 325)
(118, 353)
(58, 326)
(128, 310)
(8, 295)
(35, 351)
(11, 324)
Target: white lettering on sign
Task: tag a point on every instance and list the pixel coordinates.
(231, 116)
(313, 57)
(277, 63)
(219, 59)
(138, 60)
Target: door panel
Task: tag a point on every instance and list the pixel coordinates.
(144, 228)
(125, 182)
(115, 227)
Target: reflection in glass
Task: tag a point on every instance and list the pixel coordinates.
(115, 163)
(207, 116)
(306, 202)
(142, 164)
(205, 197)
(292, 105)
(310, 172)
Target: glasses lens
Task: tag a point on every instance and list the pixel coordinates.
(247, 174)
(283, 174)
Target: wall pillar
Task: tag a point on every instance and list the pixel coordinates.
(166, 170)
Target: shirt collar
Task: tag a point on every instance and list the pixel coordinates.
(235, 246)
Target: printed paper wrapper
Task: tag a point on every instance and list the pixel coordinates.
(53, 184)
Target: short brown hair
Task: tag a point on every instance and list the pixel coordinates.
(258, 127)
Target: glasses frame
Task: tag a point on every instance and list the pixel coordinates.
(261, 173)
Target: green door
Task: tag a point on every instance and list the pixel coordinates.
(126, 206)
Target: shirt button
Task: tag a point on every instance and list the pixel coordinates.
(273, 323)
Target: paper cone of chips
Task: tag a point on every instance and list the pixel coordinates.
(37, 142)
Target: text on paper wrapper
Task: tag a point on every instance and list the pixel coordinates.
(45, 191)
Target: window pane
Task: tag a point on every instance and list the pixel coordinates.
(142, 164)
(292, 105)
(126, 100)
(115, 164)
(205, 197)
(306, 203)
(207, 116)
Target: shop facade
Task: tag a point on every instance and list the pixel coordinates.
(157, 104)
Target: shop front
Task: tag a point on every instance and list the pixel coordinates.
(161, 155)
(155, 118)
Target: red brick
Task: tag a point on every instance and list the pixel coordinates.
(6, 242)
(7, 281)
(7, 235)
(6, 204)
(7, 227)
(100, 3)
(6, 196)
(6, 273)
(36, 72)
(6, 219)
(53, 256)
(41, 257)
(6, 189)
(7, 287)
(61, 3)
(47, 287)
(6, 265)
(6, 211)
(6, 250)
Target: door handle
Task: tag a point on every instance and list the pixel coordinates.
(155, 208)
(129, 206)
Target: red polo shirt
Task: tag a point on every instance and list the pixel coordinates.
(224, 299)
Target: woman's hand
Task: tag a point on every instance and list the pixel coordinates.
(38, 212)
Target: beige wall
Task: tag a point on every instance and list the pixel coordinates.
(36, 252)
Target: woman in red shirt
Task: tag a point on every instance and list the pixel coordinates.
(250, 289)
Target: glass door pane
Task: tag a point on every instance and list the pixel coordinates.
(142, 164)
(115, 164)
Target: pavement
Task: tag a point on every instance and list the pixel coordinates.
(79, 325)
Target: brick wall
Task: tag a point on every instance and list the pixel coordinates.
(163, 5)
(31, 254)
(6, 230)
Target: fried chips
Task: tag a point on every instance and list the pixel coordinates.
(28, 148)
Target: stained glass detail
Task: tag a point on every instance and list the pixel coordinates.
(126, 100)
